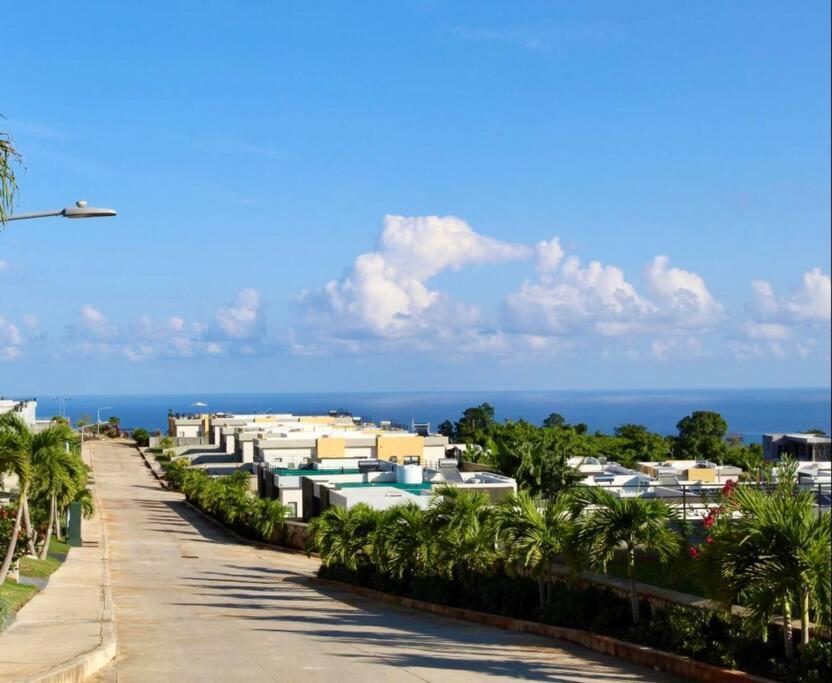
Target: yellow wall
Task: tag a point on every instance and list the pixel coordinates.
(330, 447)
(399, 446)
(317, 419)
(701, 474)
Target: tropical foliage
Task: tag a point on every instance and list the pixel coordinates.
(50, 475)
(462, 550)
(228, 499)
(9, 156)
(536, 455)
(771, 551)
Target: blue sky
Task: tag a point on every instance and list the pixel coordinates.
(276, 168)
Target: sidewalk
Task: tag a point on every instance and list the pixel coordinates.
(65, 632)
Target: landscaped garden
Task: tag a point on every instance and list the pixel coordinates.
(50, 475)
(767, 551)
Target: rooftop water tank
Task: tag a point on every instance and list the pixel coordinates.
(409, 474)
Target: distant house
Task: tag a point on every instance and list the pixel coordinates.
(800, 447)
(24, 408)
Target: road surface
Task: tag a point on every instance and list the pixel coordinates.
(192, 604)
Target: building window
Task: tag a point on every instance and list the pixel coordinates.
(411, 460)
(293, 509)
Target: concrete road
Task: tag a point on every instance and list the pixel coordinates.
(191, 604)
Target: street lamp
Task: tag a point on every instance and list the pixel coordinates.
(98, 418)
(61, 404)
(80, 210)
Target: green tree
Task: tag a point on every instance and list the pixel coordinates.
(401, 541)
(269, 517)
(637, 525)
(55, 473)
(638, 444)
(534, 537)
(476, 424)
(23, 449)
(460, 522)
(447, 429)
(9, 157)
(343, 537)
(141, 436)
(554, 421)
(701, 436)
(544, 468)
(770, 550)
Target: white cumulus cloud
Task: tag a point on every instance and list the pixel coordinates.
(385, 294)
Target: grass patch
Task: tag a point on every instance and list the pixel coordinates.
(17, 594)
(38, 569)
(41, 569)
(56, 546)
(154, 450)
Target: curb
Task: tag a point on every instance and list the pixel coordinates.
(86, 664)
(642, 655)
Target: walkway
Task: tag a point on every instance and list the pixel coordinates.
(68, 623)
(191, 604)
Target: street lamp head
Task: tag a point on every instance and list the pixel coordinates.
(81, 210)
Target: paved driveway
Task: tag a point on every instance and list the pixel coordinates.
(192, 604)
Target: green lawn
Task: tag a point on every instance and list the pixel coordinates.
(17, 594)
(40, 569)
(56, 546)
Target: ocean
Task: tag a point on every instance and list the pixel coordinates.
(749, 412)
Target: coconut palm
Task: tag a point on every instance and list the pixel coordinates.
(344, 536)
(609, 523)
(400, 541)
(770, 550)
(461, 525)
(533, 536)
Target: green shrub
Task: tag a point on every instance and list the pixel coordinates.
(141, 436)
(813, 664)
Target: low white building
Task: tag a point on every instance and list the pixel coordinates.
(379, 484)
(24, 408)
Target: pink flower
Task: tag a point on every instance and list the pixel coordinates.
(694, 552)
(709, 540)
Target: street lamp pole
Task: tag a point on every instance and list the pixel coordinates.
(98, 418)
(80, 210)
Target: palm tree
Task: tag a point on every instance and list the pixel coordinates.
(56, 472)
(267, 516)
(344, 536)
(772, 550)
(544, 462)
(460, 522)
(16, 461)
(8, 185)
(637, 524)
(533, 536)
(27, 448)
(400, 541)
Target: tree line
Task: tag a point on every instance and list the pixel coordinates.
(537, 455)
